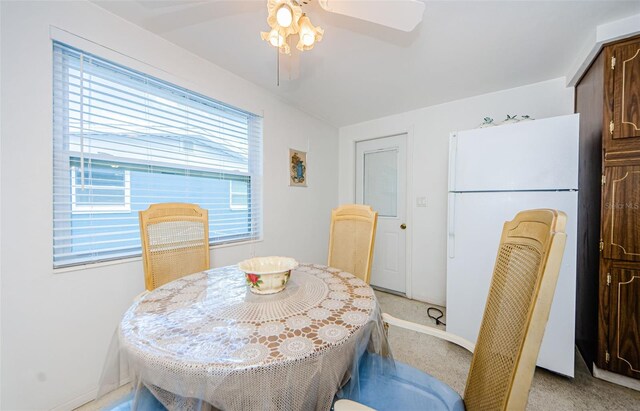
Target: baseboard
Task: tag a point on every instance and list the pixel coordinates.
(83, 399)
(386, 290)
(77, 402)
(616, 378)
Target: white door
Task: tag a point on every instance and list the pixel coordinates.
(381, 183)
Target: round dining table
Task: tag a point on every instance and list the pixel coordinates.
(206, 341)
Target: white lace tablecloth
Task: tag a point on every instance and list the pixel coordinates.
(206, 338)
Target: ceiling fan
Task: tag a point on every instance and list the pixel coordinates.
(402, 15)
(286, 18)
(287, 21)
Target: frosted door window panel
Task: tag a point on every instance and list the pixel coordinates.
(381, 182)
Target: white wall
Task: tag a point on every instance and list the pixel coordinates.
(56, 326)
(0, 214)
(429, 130)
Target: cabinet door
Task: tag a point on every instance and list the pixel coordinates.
(626, 95)
(603, 355)
(624, 327)
(621, 213)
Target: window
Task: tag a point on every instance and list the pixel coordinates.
(101, 188)
(123, 140)
(238, 195)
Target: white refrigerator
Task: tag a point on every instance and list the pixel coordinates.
(495, 172)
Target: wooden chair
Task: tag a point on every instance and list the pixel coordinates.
(351, 239)
(515, 316)
(175, 242)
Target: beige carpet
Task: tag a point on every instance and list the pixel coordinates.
(450, 363)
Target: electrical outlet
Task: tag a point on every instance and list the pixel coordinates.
(421, 201)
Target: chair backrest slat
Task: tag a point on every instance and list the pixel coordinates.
(175, 242)
(351, 239)
(517, 310)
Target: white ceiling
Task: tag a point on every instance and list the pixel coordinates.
(362, 71)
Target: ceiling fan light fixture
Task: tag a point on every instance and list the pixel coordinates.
(308, 39)
(284, 16)
(308, 34)
(276, 39)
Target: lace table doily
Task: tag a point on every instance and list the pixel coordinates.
(194, 336)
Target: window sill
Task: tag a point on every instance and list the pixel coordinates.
(127, 260)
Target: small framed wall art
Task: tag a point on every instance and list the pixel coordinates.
(297, 168)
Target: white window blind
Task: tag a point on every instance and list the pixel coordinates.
(123, 140)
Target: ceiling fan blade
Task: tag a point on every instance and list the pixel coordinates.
(398, 14)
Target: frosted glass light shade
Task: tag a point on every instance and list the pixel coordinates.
(308, 35)
(307, 38)
(284, 16)
(276, 39)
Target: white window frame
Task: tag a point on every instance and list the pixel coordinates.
(115, 208)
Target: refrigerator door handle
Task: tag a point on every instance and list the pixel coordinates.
(451, 241)
(453, 153)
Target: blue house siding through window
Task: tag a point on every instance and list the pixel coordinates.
(162, 184)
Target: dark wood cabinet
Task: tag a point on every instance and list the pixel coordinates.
(608, 100)
(623, 84)
(621, 333)
(621, 213)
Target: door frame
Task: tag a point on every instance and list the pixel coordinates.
(408, 200)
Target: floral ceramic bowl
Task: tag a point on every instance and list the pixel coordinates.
(267, 275)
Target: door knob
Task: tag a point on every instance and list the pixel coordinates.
(403, 226)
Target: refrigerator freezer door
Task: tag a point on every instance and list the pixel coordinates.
(530, 155)
(473, 246)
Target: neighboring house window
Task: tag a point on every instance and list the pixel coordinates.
(238, 195)
(124, 140)
(104, 189)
